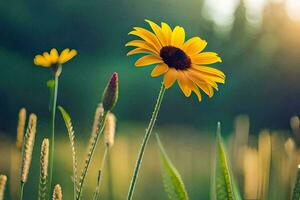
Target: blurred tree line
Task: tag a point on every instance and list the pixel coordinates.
(261, 62)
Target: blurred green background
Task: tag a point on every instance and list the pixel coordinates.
(258, 41)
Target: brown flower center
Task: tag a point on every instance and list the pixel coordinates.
(175, 57)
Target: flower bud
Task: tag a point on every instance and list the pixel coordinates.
(110, 94)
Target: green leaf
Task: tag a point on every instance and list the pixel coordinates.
(224, 186)
(173, 183)
(51, 86)
(69, 126)
(296, 192)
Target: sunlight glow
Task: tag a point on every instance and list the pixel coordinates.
(293, 9)
(254, 10)
(220, 11)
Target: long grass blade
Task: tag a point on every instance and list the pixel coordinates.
(173, 183)
(69, 126)
(224, 187)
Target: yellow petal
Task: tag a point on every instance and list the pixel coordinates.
(197, 92)
(178, 36)
(47, 57)
(200, 80)
(214, 78)
(184, 83)
(137, 51)
(167, 31)
(41, 61)
(63, 54)
(208, 76)
(209, 70)
(158, 32)
(142, 44)
(148, 60)
(202, 84)
(194, 46)
(147, 36)
(66, 55)
(170, 77)
(54, 55)
(159, 70)
(205, 58)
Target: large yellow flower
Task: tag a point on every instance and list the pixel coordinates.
(177, 59)
(53, 58)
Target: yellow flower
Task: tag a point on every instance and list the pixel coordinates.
(53, 58)
(177, 59)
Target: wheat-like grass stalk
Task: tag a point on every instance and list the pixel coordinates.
(71, 134)
(264, 161)
(57, 193)
(251, 169)
(28, 147)
(44, 161)
(291, 162)
(3, 180)
(20, 128)
(27, 150)
(98, 114)
(109, 135)
(110, 130)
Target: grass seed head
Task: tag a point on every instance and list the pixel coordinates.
(44, 159)
(110, 130)
(20, 128)
(57, 193)
(28, 147)
(3, 180)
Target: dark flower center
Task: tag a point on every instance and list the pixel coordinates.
(175, 57)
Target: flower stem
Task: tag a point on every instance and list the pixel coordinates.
(53, 112)
(91, 153)
(22, 190)
(110, 180)
(145, 141)
(97, 192)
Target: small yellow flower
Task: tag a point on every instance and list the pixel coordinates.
(177, 59)
(53, 58)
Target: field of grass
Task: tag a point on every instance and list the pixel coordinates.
(264, 164)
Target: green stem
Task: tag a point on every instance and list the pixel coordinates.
(22, 190)
(53, 112)
(92, 150)
(110, 179)
(97, 192)
(145, 141)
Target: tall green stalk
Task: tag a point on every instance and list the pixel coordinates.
(53, 113)
(145, 141)
(90, 155)
(22, 190)
(97, 192)
(110, 180)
